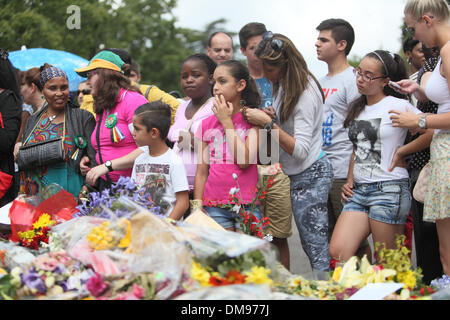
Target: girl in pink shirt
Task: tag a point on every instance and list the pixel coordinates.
(229, 145)
(196, 81)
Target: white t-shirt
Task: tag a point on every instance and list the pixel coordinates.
(375, 141)
(162, 176)
(340, 90)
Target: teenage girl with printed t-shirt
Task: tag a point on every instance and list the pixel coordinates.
(197, 74)
(115, 101)
(428, 22)
(376, 196)
(229, 146)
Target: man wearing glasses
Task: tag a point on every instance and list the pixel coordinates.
(335, 40)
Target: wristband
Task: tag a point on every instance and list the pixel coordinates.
(196, 204)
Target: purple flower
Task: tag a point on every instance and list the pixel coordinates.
(33, 280)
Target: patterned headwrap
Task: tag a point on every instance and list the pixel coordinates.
(50, 73)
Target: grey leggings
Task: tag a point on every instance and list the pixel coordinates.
(309, 197)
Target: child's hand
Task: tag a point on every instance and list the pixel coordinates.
(347, 191)
(222, 109)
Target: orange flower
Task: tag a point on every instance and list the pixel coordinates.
(235, 277)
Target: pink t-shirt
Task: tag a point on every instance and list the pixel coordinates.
(127, 103)
(222, 164)
(181, 123)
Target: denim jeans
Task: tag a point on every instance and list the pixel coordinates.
(384, 201)
(309, 198)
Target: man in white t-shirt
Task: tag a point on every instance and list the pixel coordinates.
(335, 40)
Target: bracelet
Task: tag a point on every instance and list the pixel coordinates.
(196, 204)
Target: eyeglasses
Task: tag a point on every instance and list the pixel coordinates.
(84, 91)
(412, 31)
(365, 77)
(276, 44)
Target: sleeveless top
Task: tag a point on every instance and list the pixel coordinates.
(438, 92)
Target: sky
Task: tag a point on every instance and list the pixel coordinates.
(377, 23)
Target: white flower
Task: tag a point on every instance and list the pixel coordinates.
(233, 190)
(236, 208)
(235, 176)
(268, 237)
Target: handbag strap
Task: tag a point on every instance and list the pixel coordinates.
(97, 137)
(27, 140)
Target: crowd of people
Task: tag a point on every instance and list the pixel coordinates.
(347, 146)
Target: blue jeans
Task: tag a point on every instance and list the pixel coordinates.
(309, 198)
(384, 201)
(227, 219)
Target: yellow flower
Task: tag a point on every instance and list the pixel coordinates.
(45, 220)
(200, 274)
(258, 275)
(2, 271)
(408, 278)
(125, 242)
(337, 274)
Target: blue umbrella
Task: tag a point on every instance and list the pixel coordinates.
(30, 58)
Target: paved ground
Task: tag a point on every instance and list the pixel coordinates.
(299, 261)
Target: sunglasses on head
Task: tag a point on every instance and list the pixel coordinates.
(275, 44)
(84, 91)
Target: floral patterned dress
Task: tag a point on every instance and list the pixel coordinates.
(63, 174)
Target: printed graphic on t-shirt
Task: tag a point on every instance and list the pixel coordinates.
(152, 177)
(365, 136)
(327, 130)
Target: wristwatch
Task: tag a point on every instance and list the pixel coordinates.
(108, 165)
(423, 122)
(269, 126)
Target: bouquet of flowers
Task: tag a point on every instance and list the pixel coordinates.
(219, 269)
(39, 234)
(112, 202)
(51, 275)
(249, 223)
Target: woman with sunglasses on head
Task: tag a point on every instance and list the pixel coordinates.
(115, 100)
(297, 117)
(428, 21)
(56, 119)
(376, 196)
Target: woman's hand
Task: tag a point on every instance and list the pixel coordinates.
(84, 165)
(222, 109)
(16, 150)
(407, 119)
(95, 173)
(347, 191)
(397, 160)
(258, 117)
(407, 86)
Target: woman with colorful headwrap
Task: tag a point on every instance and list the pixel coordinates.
(58, 119)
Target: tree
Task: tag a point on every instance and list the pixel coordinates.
(145, 28)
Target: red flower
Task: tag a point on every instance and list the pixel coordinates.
(235, 277)
(333, 263)
(217, 281)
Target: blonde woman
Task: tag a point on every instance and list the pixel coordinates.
(428, 22)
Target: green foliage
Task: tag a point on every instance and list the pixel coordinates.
(224, 264)
(145, 28)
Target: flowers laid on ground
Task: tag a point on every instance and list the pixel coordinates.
(219, 270)
(50, 275)
(122, 287)
(113, 201)
(399, 260)
(39, 234)
(110, 235)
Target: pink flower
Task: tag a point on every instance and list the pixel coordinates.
(137, 291)
(96, 286)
